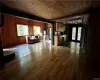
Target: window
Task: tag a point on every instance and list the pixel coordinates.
(36, 30)
(22, 30)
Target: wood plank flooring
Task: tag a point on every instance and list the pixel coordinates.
(42, 61)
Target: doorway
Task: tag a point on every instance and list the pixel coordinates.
(44, 35)
(76, 34)
(50, 33)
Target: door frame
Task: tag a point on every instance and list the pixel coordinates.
(2, 62)
(77, 26)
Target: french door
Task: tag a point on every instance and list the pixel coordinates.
(50, 33)
(76, 34)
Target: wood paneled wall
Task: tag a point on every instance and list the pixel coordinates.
(9, 30)
(60, 27)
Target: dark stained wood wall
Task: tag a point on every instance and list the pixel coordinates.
(1, 53)
(9, 30)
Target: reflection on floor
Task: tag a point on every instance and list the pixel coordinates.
(74, 45)
(42, 61)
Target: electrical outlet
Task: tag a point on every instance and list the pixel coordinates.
(10, 42)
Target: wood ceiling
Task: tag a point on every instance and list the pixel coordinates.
(50, 9)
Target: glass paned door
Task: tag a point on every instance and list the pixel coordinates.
(50, 33)
(79, 33)
(73, 33)
(76, 33)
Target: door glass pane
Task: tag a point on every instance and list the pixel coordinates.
(79, 33)
(50, 33)
(73, 33)
(44, 35)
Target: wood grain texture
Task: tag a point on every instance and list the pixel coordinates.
(9, 30)
(51, 9)
(42, 61)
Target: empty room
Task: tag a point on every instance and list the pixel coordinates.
(49, 40)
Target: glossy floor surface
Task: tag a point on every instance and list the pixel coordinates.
(42, 61)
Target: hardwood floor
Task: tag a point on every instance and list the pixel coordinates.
(42, 61)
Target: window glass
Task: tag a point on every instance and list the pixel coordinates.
(36, 30)
(22, 30)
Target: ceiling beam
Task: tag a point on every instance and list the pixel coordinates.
(78, 13)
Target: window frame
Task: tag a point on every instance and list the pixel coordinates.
(23, 31)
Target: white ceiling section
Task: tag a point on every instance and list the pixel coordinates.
(50, 9)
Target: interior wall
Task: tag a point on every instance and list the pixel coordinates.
(60, 27)
(92, 43)
(1, 53)
(9, 30)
